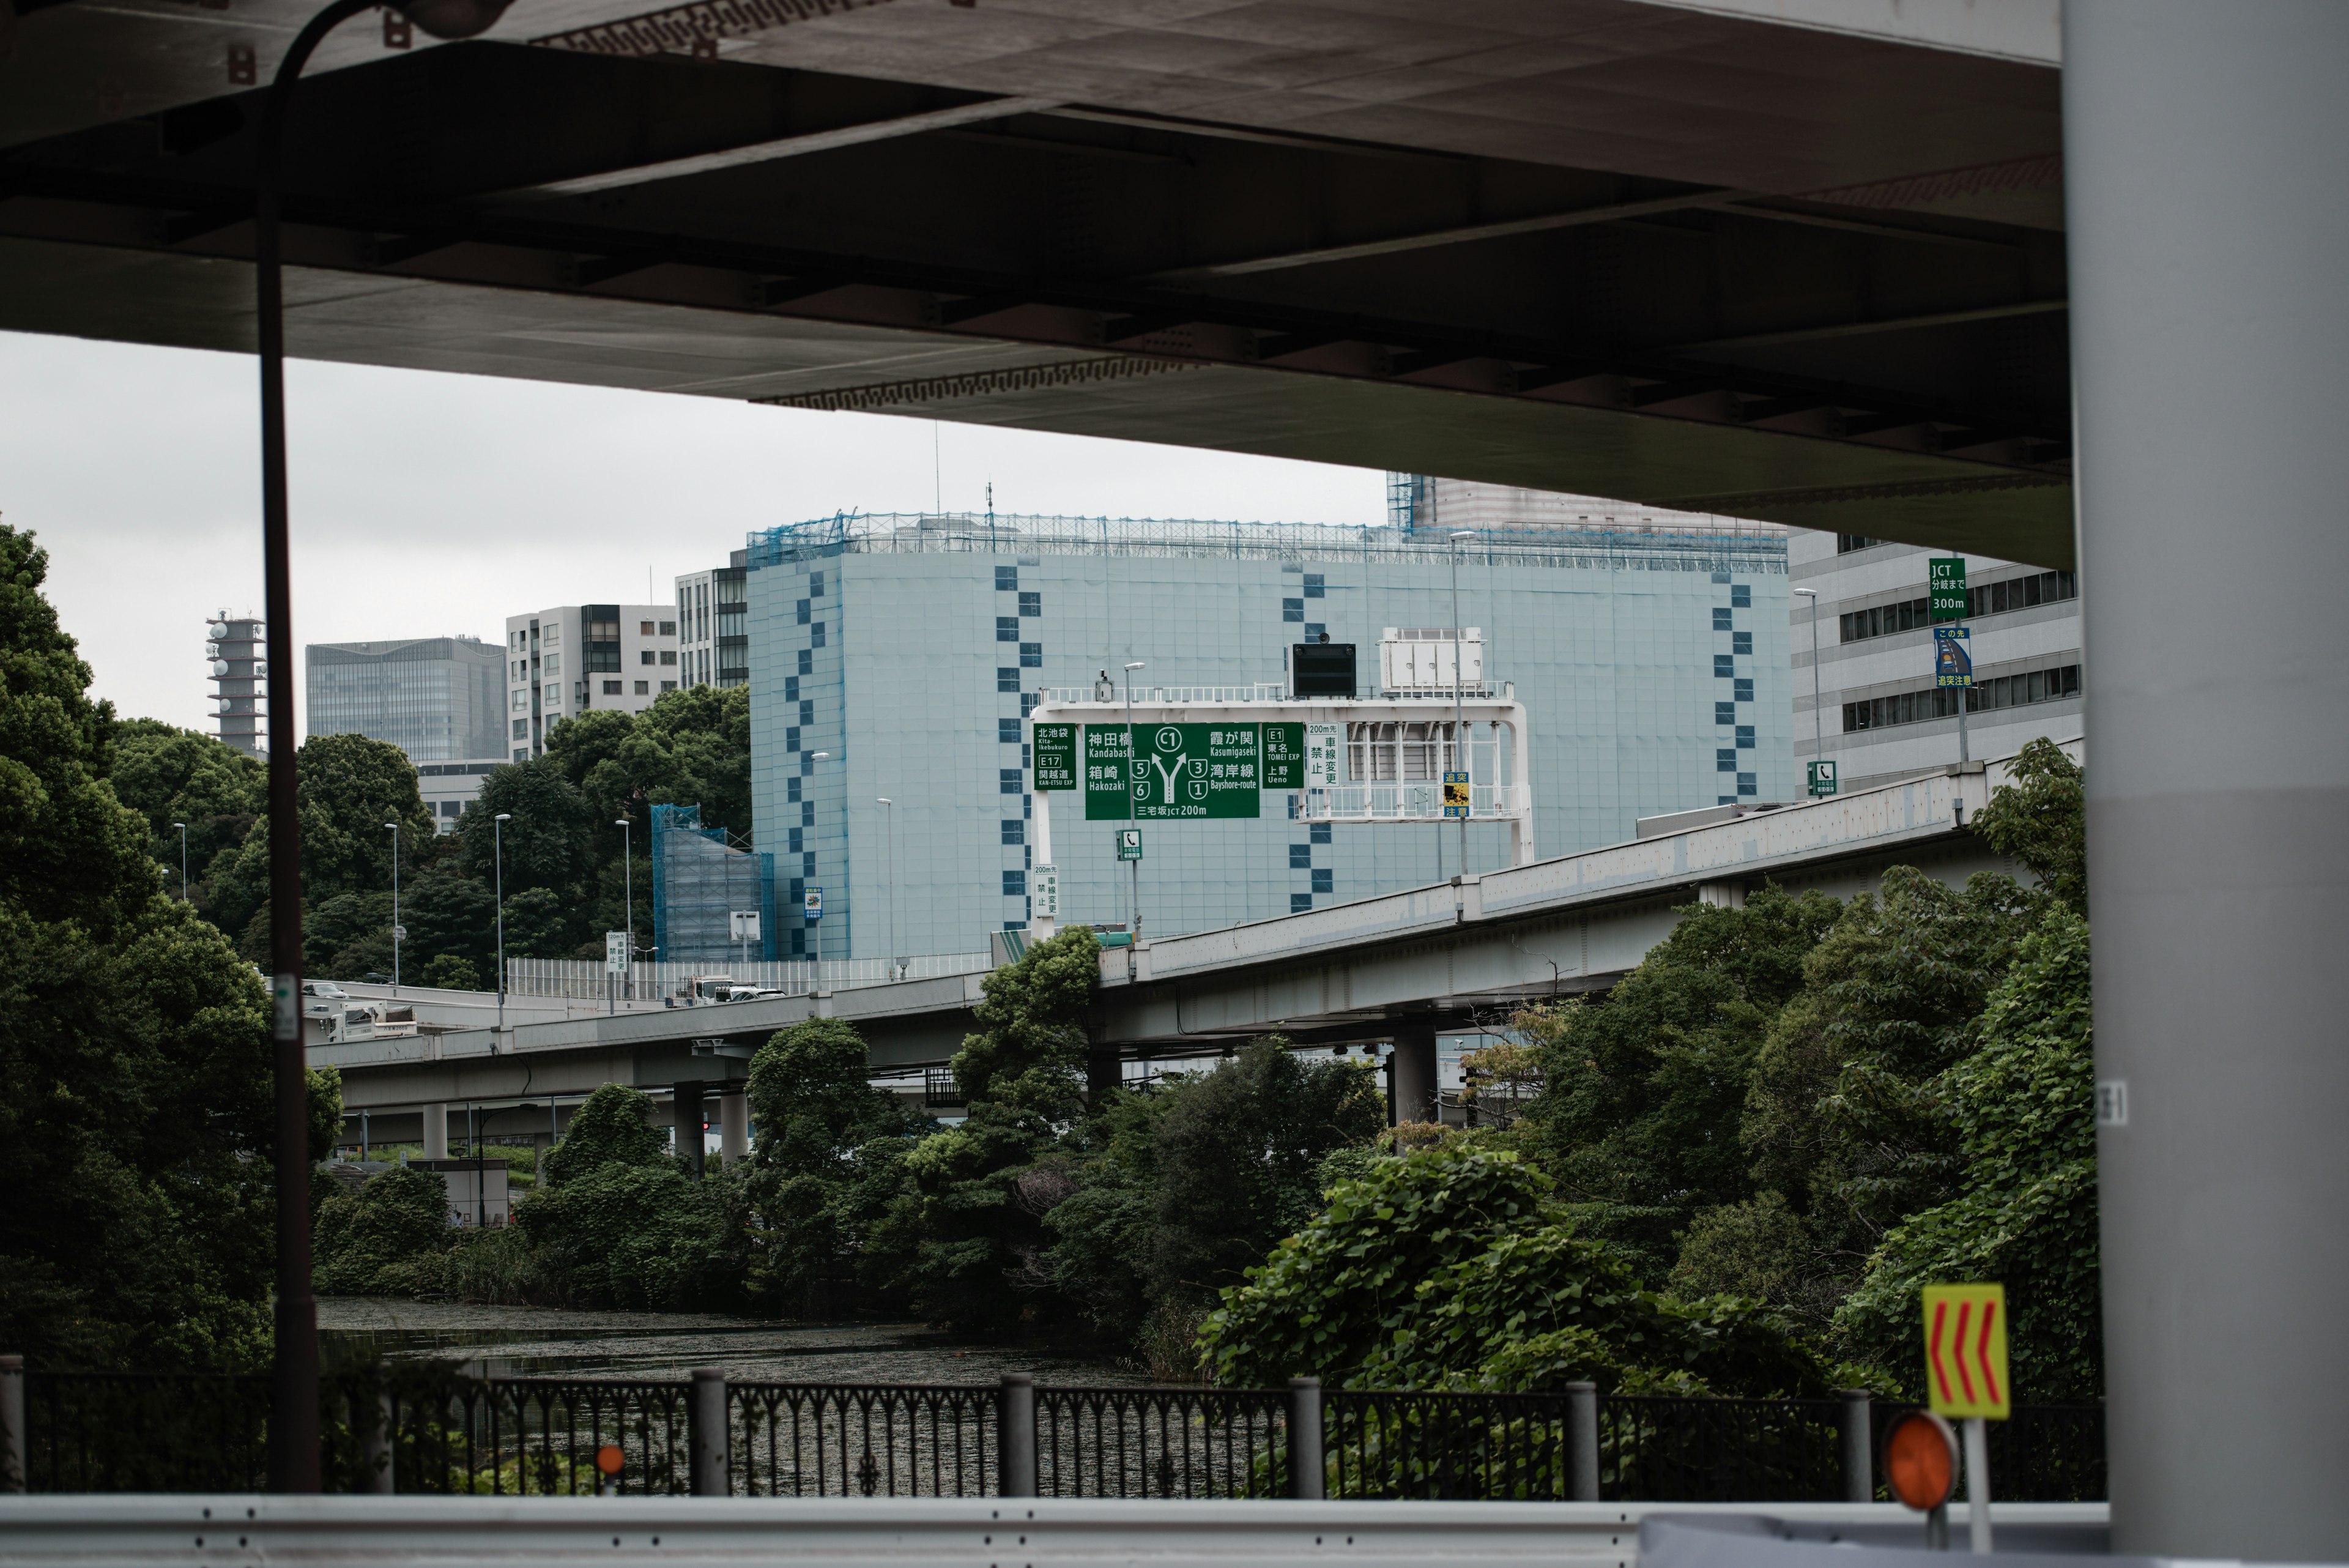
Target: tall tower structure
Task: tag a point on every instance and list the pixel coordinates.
(240, 680)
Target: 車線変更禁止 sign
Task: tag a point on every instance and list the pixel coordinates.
(1178, 772)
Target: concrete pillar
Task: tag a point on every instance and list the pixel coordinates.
(734, 1124)
(1104, 1071)
(686, 1117)
(1414, 1073)
(2207, 212)
(436, 1132)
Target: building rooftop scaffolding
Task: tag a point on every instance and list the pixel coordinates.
(906, 533)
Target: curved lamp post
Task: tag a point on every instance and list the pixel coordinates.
(294, 1375)
(628, 900)
(183, 860)
(398, 930)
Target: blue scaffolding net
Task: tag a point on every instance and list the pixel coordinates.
(700, 881)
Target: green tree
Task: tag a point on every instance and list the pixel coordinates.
(453, 916)
(167, 775)
(630, 1234)
(539, 925)
(449, 972)
(348, 787)
(379, 1240)
(2025, 1213)
(613, 1128)
(134, 1062)
(2041, 819)
(1644, 1091)
(966, 1242)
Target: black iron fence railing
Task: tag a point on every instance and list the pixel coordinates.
(427, 1429)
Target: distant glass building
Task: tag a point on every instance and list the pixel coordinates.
(1654, 666)
(438, 698)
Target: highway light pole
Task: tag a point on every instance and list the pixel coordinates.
(1132, 778)
(294, 1370)
(1818, 743)
(498, 838)
(817, 983)
(1459, 676)
(396, 931)
(628, 900)
(889, 869)
(183, 860)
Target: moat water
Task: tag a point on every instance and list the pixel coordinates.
(552, 1341)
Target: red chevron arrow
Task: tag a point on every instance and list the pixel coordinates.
(1940, 1373)
(1981, 1350)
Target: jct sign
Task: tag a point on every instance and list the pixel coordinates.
(1180, 771)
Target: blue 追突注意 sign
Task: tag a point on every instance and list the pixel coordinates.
(1954, 661)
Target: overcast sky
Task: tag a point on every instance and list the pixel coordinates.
(426, 504)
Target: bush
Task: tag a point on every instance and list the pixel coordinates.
(449, 972)
(638, 1236)
(368, 1242)
(611, 1128)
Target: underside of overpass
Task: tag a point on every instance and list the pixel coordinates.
(1611, 247)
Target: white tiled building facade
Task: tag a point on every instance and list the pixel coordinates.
(571, 659)
(1881, 717)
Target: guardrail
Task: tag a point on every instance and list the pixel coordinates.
(421, 1430)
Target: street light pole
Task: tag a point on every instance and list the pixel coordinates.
(396, 932)
(1459, 675)
(1132, 775)
(817, 983)
(294, 1367)
(183, 860)
(1818, 743)
(498, 836)
(889, 869)
(628, 900)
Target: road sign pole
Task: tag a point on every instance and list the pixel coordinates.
(1965, 696)
(1977, 1436)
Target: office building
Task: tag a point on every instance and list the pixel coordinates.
(712, 647)
(1654, 667)
(438, 698)
(240, 681)
(451, 788)
(574, 659)
(1880, 714)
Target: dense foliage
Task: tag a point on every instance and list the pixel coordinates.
(134, 1058)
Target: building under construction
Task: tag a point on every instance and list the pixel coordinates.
(702, 879)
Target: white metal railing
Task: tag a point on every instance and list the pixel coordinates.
(1409, 803)
(586, 979)
(1262, 691)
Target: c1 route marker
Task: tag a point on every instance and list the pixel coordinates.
(1965, 1352)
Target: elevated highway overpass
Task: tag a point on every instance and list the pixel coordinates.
(1399, 969)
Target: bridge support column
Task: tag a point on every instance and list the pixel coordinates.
(436, 1132)
(734, 1124)
(2206, 216)
(1414, 1073)
(686, 1116)
(1104, 1071)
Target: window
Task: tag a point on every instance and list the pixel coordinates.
(790, 688)
(1007, 579)
(1941, 702)
(1745, 737)
(1749, 783)
(644, 656)
(554, 664)
(1006, 730)
(1031, 604)
(792, 738)
(669, 685)
(807, 807)
(803, 611)
(1847, 543)
(1741, 691)
(668, 628)
(1015, 884)
(1720, 618)
(1741, 596)
(794, 840)
(1318, 833)
(1006, 678)
(521, 754)
(1292, 609)
(611, 688)
(1724, 712)
(1300, 857)
(1031, 656)
(1325, 881)
(1015, 831)
(1009, 780)
(522, 700)
(1725, 667)
(521, 729)
(1740, 642)
(668, 656)
(1028, 701)
(1314, 588)
(1007, 629)
(1299, 902)
(807, 709)
(1883, 620)
(807, 662)
(1726, 759)
(815, 635)
(645, 628)
(1315, 631)
(815, 585)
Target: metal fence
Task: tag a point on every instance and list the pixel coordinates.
(582, 979)
(423, 1430)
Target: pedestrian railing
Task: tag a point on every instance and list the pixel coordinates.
(426, 1430)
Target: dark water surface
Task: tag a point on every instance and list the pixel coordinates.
(553, 1342)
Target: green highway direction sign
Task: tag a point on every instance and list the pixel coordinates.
(1823, 778)
(1184, 772)
(1945, 587)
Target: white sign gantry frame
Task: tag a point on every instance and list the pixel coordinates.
(1358, 801)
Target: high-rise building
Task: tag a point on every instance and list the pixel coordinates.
(240, 680)
(712, 647)
(1653, 668)
(438, 698)
(1880, 713)
(573, 659)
